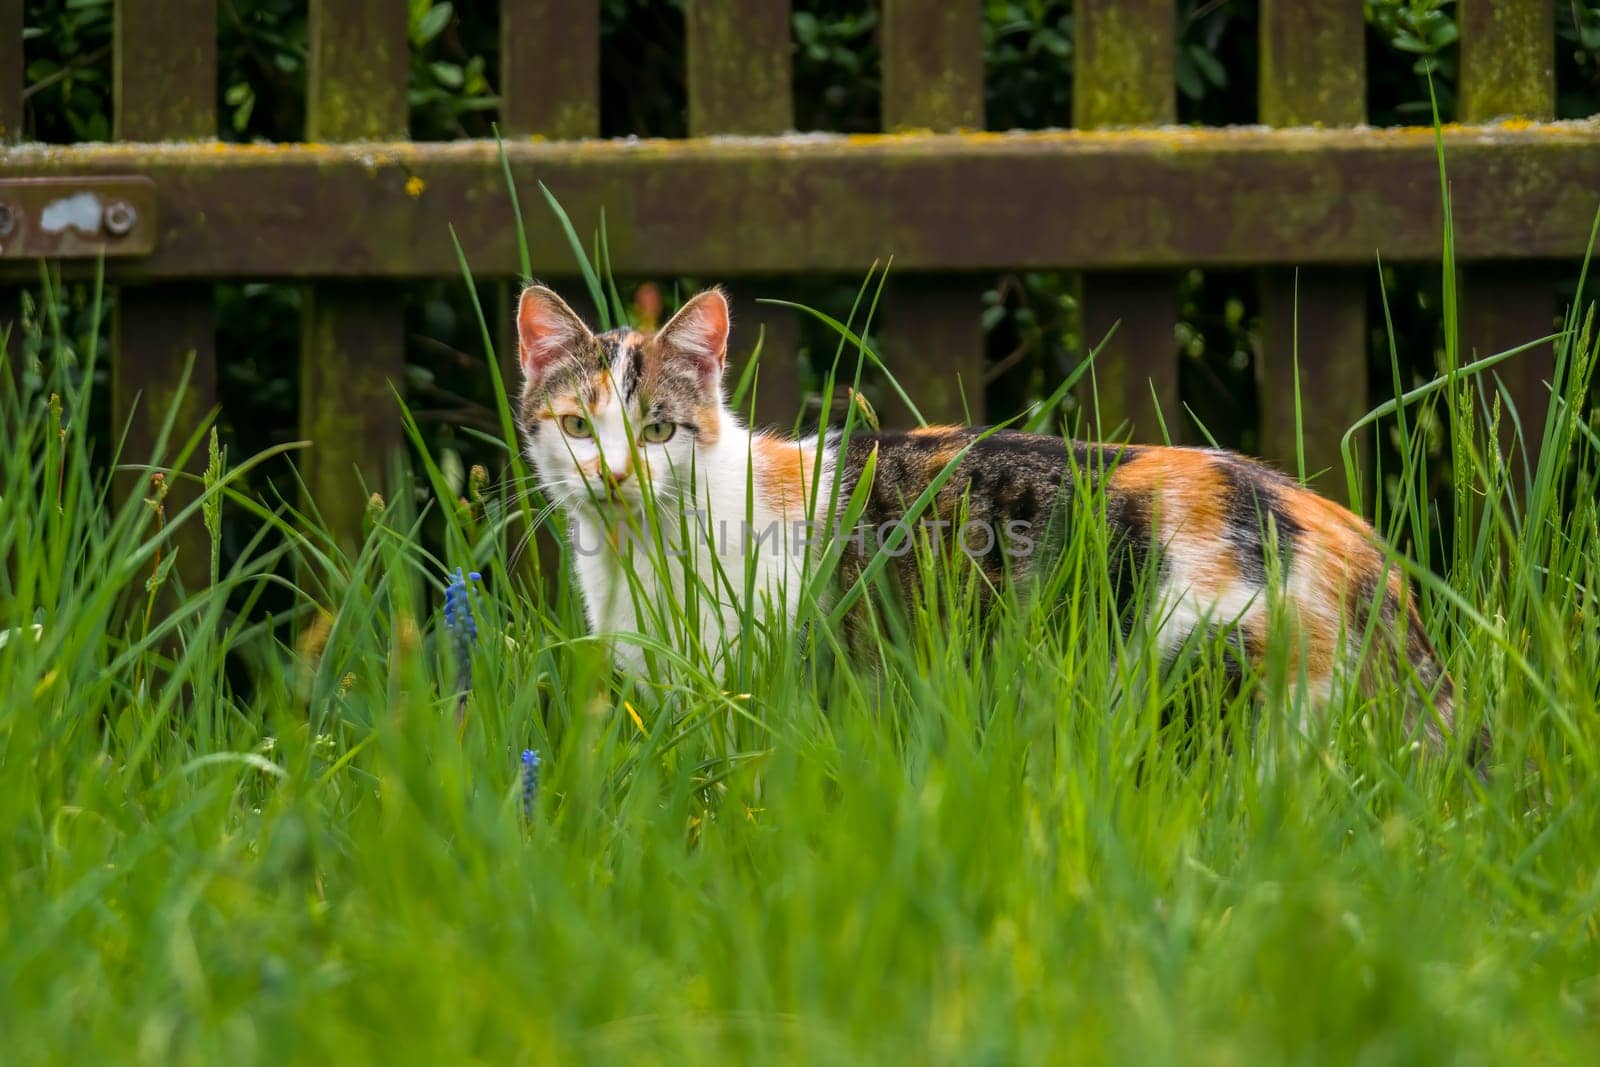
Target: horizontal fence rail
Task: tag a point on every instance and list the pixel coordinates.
(1309, 201)
(763, 205)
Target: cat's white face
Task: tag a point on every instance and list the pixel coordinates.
(616, 419)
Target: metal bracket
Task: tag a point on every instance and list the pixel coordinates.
(77, 218)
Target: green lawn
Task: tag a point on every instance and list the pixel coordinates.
(220, 847)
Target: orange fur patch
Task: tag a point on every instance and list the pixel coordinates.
(561, 407)
(1336, 555)
(600, 390)
(782, 473)
(709, 421)
(1153, 469)
(1187, 497)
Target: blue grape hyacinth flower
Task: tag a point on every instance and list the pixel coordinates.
(463, 631)
(530, 781)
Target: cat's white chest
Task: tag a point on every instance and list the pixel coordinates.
(718, 575)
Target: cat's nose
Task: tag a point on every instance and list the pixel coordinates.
(614, 478)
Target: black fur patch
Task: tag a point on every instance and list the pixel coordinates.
(1006, 478)
(1252, 500)
(1129, 533)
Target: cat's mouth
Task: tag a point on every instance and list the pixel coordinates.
(613, 510)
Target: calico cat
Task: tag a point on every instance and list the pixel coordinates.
(614, 419)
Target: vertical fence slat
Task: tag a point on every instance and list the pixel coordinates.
(1124, 74)
(164, 75)
(356, 77)
(550, 88)
(933, 80)
(741, 82)
(739, 68)
(352, 352)
(550, 68)
(164, 71)
(1138, 366)
(932, 65)
(11, 71)
(1331, 306)
(1313, 64)
(1507, 59)
(1508, 70)
(1124, 71)
(933, 342)
(157, 328)
(1313, 72)
(1504, 305)
(353, 334)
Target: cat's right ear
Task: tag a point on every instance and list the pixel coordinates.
(547, 331)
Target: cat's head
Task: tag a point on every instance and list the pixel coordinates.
(614, 418)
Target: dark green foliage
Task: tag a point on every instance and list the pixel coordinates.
(1423, 32)
(1028, 64)
(1577, 59)
(643, 91)
(68, 75)
(837, 79)
(261, 56)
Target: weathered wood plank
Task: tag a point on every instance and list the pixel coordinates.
(1138, 367)
(549, 88)
(352, 350)
(1313, 63)
(356, 76)
(1508, 69)
(1332, 369)
(739, 69)
(1507, 59)
(1124, 75)
(933, 79)
(352, 359)
(12, 70)
(1312, 72)
(933, 344)
(157, 331)
(932, 65)
(550, 68)
(1503, 306)
(164, 73)
(740, 82)
(936, 202)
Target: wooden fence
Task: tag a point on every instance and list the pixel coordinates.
(1126, 198)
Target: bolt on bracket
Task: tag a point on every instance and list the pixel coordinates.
(77, 218)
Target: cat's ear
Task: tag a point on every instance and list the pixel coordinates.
(547, 330)
(699, 332)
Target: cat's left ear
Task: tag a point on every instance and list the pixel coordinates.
(547, 331)
(699, 332)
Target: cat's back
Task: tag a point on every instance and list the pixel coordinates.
(1222, 520)
(1195, 539)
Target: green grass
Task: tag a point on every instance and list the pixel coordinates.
(233, 837)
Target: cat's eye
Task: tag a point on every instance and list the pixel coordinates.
(576, 426)
(658, 433)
